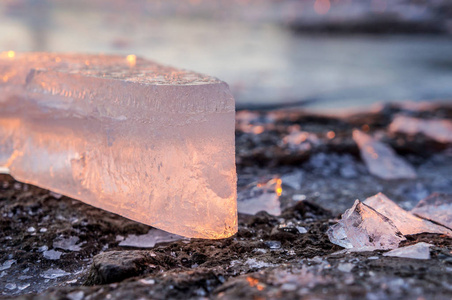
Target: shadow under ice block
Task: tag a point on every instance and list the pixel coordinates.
(149, 142)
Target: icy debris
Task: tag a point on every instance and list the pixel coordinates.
(43, 248)
(69, 243)
(52, 254)
(380, 159)
(31, 229)
(76, 295)
(362, 228)
(42, 230)
(437, 207)
(3, 273)
(10, 286)
(345, 267)
(147, 281)
(257, 264)
(293, 180)
(261, 197)
(417, 251)
(150, 239)
(54, 273)
(7, 264)
(437, 129)
(301, 229)
(405, 221)
(300, 140)
(273, 244)
(23, 286)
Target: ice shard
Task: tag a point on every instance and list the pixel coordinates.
(381, 160)
(363, 228)
(261, 197)
(149, 142)
(416, 251)
(439, 130)
(437, 208)
(405, 221)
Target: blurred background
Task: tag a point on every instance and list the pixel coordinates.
(323, 54)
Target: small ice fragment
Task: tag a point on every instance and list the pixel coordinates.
(405, 221)
(119, 238)
(150, 239)
(373, 257)
(300, 140)
(69, 243)
(293, 180)
(345, 267)
(54, 273)
(437, 207)
(23, 286)
(380, 159)
(417, 251)
(31, 229)
(3, 273)
(55, 195)
(363, 228)
(299, 197)
(257, 264)
(43, 248)
(42, 230)
(7, 264)
(273, 244)
(10, 286)
(76, 295)
(261, 197)
(438, 129)
(147, 281)
(52, 254)
(302, 229)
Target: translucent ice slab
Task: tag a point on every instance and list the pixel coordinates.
(436, 207)
(148, 142)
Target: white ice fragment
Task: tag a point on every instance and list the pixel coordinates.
(76, 295)
(437, 129)
(23, 286)
(301, 229)
(54, 273)
(293, 180)
(373, 258)
(261, 197)
(150, 239)
(147, 281)
(364, 229)
(69, 243)
(437, 207)
(31, 229)
(345, 267)
(52, 254)
(7, 264)
(257, 264)
(417, 251)
(381, 160)
(273, 244)
(3, 273)
(405, 221)
(43, 248)
(10, 286)
(42, 230)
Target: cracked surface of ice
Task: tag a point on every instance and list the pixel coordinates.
(437, 207)
(417, 251)
(437, 129)
(364, 229)
(149, 142)
(381, 160)
(405, 221)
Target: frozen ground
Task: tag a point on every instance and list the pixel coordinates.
(55, 247)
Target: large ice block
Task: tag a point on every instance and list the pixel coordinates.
(149, 142)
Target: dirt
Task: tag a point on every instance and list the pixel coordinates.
(269, 257)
